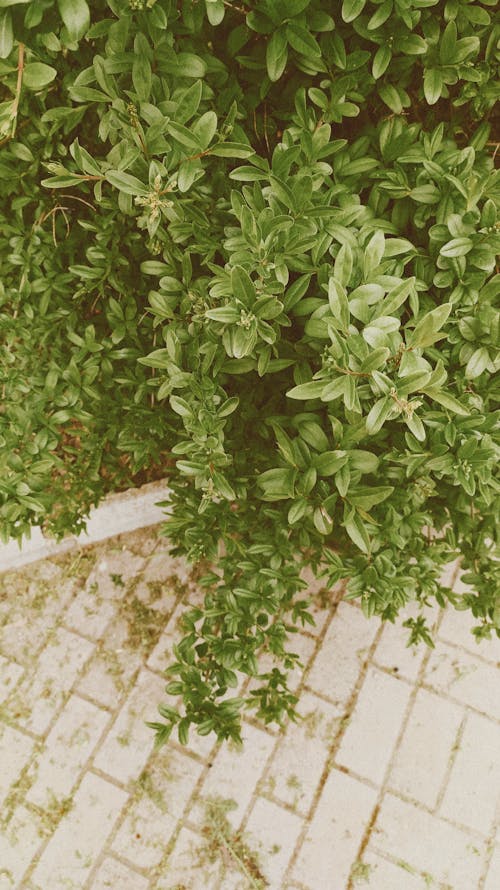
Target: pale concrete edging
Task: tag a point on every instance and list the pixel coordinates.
(118, 513)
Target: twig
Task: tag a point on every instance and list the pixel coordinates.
(41, 219)
(53, 214)
(76, 198)
(236, 8)
(497, 145)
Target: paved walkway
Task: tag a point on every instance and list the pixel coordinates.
(389, 782)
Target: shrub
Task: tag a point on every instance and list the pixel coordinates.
(253, 245)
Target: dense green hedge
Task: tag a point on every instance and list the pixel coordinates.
(252, 245)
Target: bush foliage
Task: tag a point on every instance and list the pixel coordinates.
(252, 245)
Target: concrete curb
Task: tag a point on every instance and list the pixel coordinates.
(118, 513)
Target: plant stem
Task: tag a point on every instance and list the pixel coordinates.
(351, 373)
(19, 84)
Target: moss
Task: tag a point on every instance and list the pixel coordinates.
(147, 786)
(145, 624)
(117, 579)
(52, 814)
(360, 873)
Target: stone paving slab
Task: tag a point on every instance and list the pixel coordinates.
(390, 780)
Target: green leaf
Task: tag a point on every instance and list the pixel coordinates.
(61, 182)
(204, 130)
(223, 486)
(378, 414)
(448, 44)
(215, 11)
(360, 165)
(243, 342)
(162, 304)
(180, 406)
(457, 247)
(381, 60)
(397, 246)
(311, 390)
(342, 269)
(323, 522)
(76, 17)
(228, 407)
(313, 434)
(426, 331)
(433, 85)
(224, 314)
(268, 308)
(184, 136)
(343, 480)
(363, 297)
(232, 150)
(318, 97)
(477, 363)
(141, 77)
(155, 267)
(301, 40)
(334, 390)
(297, 511)
(183, 65)
(283, 192)
(364, 461)
(159, 358)
(191, 468)
(88, 94)
(368, 496)
(242, 286)
(357, 532)
(466, 47)
(339, 304)
(425, 194)
(414, 382)
(183, 727)
(277, 484)
(130, 185)
(37, 75)
(380, 15)
(375, 336)
(376, 359)
(413, 45)
(296, 291)
(391, 97)
(328, 463)
(6, 33)
(446, 400)
(189, 102)
(416, 426)
(276, 55)
(285, 445)
(295, 7)
(187, 174)
(374, 252)
(351, 9)
(248, 174)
